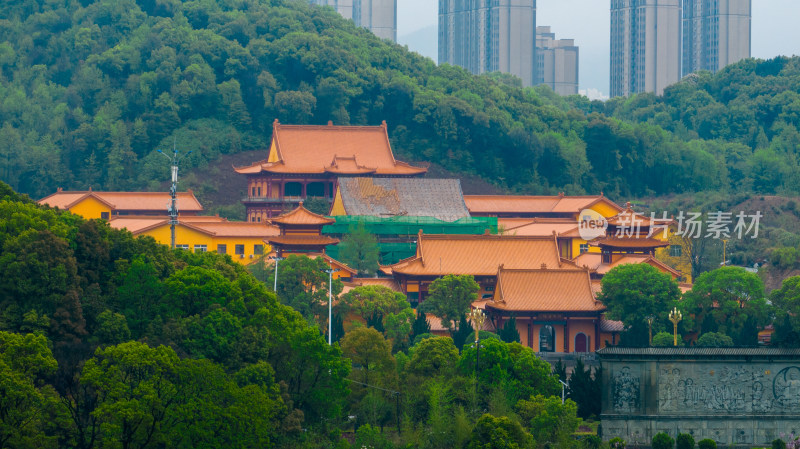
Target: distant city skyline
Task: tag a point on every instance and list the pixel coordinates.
(774, 31)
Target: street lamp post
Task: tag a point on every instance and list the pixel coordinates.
(275, 284)
(330, 304)
(675, 316)
(650, 319)
(477, 317)
(564, 386)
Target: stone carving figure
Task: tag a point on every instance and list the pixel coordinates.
(786, 387)
(626, 391)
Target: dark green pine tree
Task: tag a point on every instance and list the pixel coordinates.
(509, 332)
(420, 325)
(584, 390)
(460, 335)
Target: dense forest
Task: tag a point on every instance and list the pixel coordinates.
(90, 89)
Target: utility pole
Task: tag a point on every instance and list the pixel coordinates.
(173, 191)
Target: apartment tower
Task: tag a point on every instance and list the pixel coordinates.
(645, 45)
(489, 36)
(715, 33)
(378, 16)
(557, 62)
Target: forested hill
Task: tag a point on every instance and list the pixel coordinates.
(88, 91)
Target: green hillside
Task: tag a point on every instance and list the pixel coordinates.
(88, 91)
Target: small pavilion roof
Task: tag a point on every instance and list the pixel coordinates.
(632, 242)
(302, 217)
(349, 150)
(545, 290)
(291, 241)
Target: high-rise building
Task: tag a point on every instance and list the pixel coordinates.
(645, 45)
(715, 33)
(557, 62)
(489, 36)
(378, 16)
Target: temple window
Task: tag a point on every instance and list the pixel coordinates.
(675, 250)
(258, 250)
(200, 248)
(293, 189)
(222, 248)
(315, 189)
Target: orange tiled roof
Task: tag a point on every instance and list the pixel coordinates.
(332, 149)
(135, 201)
(302, 240)
(236, 228)
(478, 255)
(545, 291)
(506, 204)
(543, 227)
(216, 228)
(302, 216)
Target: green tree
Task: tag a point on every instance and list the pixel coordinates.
(735, 300)
(499, 433)
(509, 332)
(359, 249)
(450, 297)
(684, 441)
(548, 419)
(585, 390)
(25, 403)
(786, 307)
(433, 357)
(420, 326)
(376, 302)
(137, 392)
(368, 351)
(631, 292)
(303, 284)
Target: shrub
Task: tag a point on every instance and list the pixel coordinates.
(684, 441)
(665, 339)
(708, 443)
(663, 441)
(592, 442)
(714, 339)
(616, 443)
(778, 444)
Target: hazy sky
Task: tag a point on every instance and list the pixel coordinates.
(775, 30)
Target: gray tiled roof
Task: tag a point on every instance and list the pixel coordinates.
(698, 351)
(415, 197)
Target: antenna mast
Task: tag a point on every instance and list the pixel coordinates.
(172, 207)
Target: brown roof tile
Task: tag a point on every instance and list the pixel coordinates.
(332, 149)
(545, 291)
(629, 242)
(478, 255)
